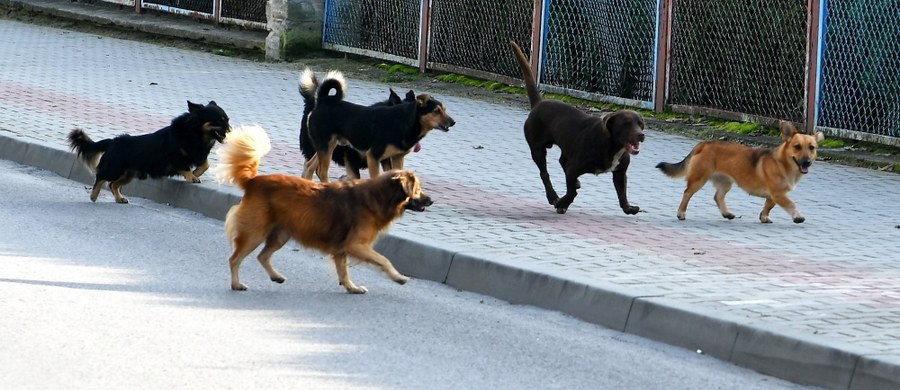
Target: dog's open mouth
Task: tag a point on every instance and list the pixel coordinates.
(443, 127)
(633, 148)
(803, 165)
(219, 134)
(418, 204)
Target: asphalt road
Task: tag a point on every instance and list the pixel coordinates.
(102, 295)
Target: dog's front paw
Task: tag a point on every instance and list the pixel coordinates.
(239, 287)
(799, 219)
(278, 279)
(765, 219)
(195, 179)
(631, 210)
(122, 200)
(728, 216)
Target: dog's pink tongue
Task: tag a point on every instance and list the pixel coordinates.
(417, 148)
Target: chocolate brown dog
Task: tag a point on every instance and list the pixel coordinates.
(589, 144)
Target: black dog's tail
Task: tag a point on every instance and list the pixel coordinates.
(675, 170)
(334, 80)
(534, 96)
(86, 149)
(308, 86)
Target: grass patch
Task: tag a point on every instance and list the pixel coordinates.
(830, 143)
(226, 52)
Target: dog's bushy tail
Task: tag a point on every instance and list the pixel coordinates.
(308, 86)
(675, 170)
(334, 80)
(240, 155)
(86, 149)
(534, 96)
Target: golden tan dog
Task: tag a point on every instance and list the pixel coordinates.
(768, 173)
(340, 219)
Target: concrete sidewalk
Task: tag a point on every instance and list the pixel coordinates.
(815, 303)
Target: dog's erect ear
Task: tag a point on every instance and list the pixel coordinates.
(409, 182)
(787, 129)
(194, 107)
(212, 103)
(820, 136)
(422, 100)
(393, 98)
(410, 96)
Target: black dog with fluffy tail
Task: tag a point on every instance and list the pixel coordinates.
(173, 150)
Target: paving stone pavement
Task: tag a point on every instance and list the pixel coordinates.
(834, 279)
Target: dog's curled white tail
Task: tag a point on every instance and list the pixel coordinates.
(240, 155)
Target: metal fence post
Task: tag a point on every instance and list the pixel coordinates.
(662, 55)
(537, 23)
(424, 31)
(813, 62)
(138, 5)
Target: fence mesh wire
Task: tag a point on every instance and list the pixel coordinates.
(475, 34)
(741, 56)
(204, 6)
(390, 27)
(602, 46)
(252, 10)
(861, 67)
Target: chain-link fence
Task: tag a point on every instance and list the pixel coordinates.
(741, 56)
(475, 34)
(733, 58)
(860, 74)
(246, 13)
(601, 46)
(249, 10)
(375, 27)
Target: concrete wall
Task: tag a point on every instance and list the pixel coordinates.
(295, 27)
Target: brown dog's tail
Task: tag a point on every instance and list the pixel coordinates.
(534, 96)
(675, 170)
(240, 155)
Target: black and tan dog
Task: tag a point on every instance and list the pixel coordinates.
(588, 144)
(173, 150)
(763, 172)
(351, 159)
(340, 219)
(384, 132)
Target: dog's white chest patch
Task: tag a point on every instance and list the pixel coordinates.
(614, 164)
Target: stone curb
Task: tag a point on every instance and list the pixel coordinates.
(761, 347)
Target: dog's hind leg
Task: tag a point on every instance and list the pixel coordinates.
(201, 170)
(116, 187)
(325, 160)
(340, 262)
(723, 185)
(694, 184)
(310, 166)
(539, 155)
(95, 191)
(367, 254)
(276, 239)
(244, 242)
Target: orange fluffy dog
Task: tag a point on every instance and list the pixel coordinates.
(768, 173)
(339, 219)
